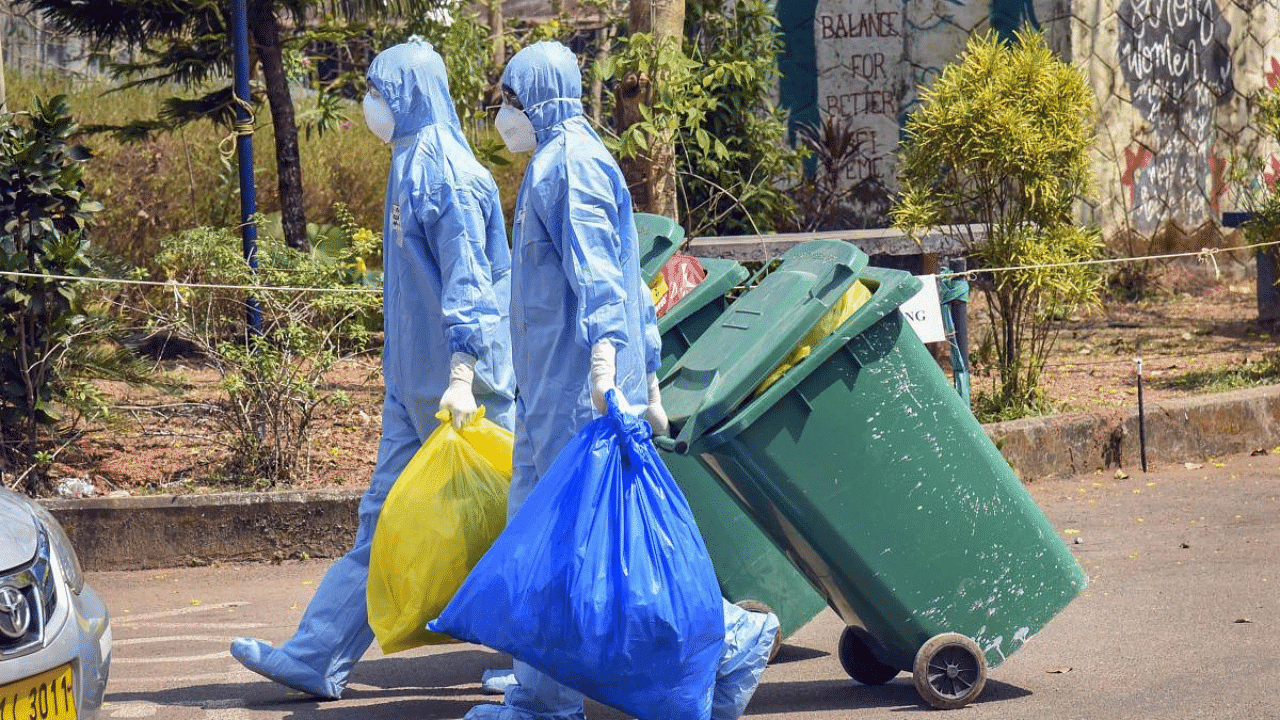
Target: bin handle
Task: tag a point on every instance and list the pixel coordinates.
(835, 276)
(671, 445)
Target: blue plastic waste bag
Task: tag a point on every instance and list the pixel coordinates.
(602, 580)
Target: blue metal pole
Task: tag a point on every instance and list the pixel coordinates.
(244, 154)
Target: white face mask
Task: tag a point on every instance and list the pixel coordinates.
(377, 115)
(516, 129)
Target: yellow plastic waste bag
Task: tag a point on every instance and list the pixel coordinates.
(855, 297)
(439, 518)
(658, 288)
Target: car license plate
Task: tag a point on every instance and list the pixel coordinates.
(47, 696)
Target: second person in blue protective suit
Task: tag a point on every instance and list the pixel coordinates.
(446, 294)
(582, 323)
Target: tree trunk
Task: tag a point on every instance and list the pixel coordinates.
(496, 35)
(266, 38)
(602, 55)
(4, 103)
(652, 177)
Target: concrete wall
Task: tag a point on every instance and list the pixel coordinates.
(1172, 78)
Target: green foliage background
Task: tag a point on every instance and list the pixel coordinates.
(1002, 140)
(44, 215)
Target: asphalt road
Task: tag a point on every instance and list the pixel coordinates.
(1180, 621)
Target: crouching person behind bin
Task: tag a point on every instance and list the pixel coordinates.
(583, 323)
(447, 340)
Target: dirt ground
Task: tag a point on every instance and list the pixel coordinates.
(1196, 321)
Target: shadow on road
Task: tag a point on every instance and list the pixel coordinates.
(827, 695)
(795, 653)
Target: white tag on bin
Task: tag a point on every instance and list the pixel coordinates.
(924, 311)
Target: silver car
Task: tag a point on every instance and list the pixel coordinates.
(55, 631)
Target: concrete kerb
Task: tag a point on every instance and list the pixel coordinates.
(149, 532)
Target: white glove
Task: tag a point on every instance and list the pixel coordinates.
(655, 413)
(457, 398)
(603, 369)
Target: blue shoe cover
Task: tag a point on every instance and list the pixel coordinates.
(275, 664)
(496, 682)
(748, 640)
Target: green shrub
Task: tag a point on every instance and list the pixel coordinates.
(1002, 141)
(737, 185)
(44, 213)
(1258, 195)
(315, 311)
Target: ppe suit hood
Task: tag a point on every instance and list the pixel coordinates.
(413, 80)
(546, 78)
(575, 269)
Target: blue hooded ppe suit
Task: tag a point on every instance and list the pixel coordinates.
(575, 281)
(446, 289)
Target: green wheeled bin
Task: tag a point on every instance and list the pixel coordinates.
(752, 570)
(659, 238)
(867, 466)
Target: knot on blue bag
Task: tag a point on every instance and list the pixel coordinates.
(634, 433)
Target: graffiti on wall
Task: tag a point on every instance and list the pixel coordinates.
(859, 48)
(1175, 58)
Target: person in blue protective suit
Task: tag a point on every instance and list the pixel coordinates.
(582, 323)
(446, 294)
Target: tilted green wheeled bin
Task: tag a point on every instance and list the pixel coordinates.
(867, 466)
(697, 311)
(752, 570)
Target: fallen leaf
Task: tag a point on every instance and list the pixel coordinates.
(195, 602)
(1071, 531)
(1058, 670)
(1121, 475)
(1184, 546)
(1243, 621)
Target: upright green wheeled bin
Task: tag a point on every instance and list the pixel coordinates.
(867, 466)
(752, 570)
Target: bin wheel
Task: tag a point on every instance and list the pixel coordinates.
(757, 606)
(859, 661)
(950, 671)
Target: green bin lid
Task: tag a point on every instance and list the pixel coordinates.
(757, 332)
(722, 276)
(659, 238)
(889, 290)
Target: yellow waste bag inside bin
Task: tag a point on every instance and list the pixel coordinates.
(855, 297)
(440, 516)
